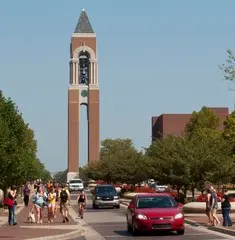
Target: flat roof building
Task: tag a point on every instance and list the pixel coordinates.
(174, 124)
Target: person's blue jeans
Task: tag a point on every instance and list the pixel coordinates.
(226, 217)
(12, 215)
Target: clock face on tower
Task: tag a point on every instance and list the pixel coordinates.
(84, 93)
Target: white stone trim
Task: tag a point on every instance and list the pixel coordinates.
(74, 73)
(83, 49)
(93, 87)
(88, 35)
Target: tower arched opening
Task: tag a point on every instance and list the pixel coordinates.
(84, 58)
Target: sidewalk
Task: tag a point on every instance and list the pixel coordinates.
(26, 230)
(202, 220)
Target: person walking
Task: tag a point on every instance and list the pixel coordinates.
(226, 208)
(12, 209)
(51, 204)
(26, 195)
(39, 203)
(64, 202)
(214, 207)
(208, 207)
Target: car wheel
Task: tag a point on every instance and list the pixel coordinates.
(118, 206)
(134, 230)
(180, 232)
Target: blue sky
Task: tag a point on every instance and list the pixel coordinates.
(154, 57)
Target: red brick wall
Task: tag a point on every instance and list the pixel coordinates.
(174, 124)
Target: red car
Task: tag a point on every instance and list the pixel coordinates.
(154, 212)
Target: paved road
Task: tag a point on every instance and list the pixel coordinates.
(111, 225)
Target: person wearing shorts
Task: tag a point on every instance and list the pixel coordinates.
(51, 204)
(39, 203)
(64, 196)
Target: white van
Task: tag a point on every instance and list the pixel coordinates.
(76, 185)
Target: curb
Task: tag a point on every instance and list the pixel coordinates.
(66, 236)
(215, 229)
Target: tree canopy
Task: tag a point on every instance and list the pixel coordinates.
(228, 67)
(18, 147)
(201, 153)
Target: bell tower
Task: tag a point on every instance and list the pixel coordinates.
(83, 90)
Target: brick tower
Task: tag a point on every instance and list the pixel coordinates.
(83, 90)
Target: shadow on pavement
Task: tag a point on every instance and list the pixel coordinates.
(125, 233)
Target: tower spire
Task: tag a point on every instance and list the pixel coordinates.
(83, 25)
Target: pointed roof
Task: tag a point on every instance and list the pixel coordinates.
(83, 25)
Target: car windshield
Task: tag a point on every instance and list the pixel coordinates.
(75, 181)
(156, 202)
(105, 189)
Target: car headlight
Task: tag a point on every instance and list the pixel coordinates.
(116, 197)
(178, 215)
(141, 216)
(97, 197)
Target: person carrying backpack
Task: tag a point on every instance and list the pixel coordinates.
(64, 202)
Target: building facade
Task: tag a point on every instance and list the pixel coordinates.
(174, 124)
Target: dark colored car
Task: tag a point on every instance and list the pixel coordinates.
(154, 212)
(105, 195)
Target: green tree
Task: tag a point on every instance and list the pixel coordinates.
(119, 162)
(229, 127)
(203, 123)
(61, 176)
(228, 67)
(207, 149)
(168, 164)
(18, 148)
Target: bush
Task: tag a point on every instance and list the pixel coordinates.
(144, 190)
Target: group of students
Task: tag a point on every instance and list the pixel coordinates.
(52, 198)
(212, 206)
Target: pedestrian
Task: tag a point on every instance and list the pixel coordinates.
(64, 202)
(12, 209)
(226, 208)
(51, 204)
(214, 207)
(39, 203)
(26, 195)
(57, 199)
(208, 207)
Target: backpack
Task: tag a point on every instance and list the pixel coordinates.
(64, 196)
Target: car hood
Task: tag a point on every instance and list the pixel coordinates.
(158, 212)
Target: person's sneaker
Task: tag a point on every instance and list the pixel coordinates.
(63, 221)
(66, 218)
(14, 224)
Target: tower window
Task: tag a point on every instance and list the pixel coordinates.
(84, 69)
